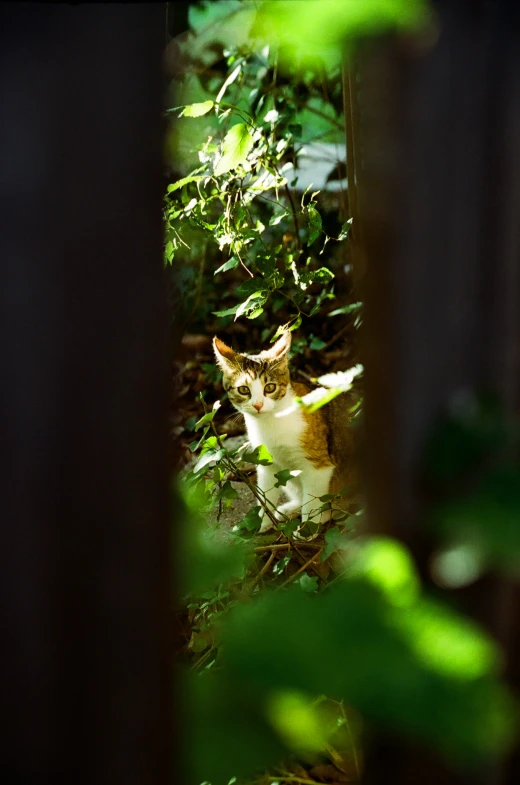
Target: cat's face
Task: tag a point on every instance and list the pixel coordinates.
(256, 383)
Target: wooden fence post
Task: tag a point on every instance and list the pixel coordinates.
(85, 662)
(439, 205)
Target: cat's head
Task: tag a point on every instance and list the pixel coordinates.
(255, 383)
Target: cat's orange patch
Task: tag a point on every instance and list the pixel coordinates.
(329, 441)
(314, 438)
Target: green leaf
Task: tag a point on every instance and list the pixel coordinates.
(198, 642)
(314, 224)
(207, 458)
(345, 229)
(317, 398)
(251, 286)
(252, 520)
(230, 79)
(280, 565)
(227, 312)
(290, 526)
(287, 328)
(253, 302)
(335, 539)
(346, 309)
(194, 446)
(260, 455)
(317, 344)
(275, 219)
(283, 477)
(185, 180)
(229, 265)
(208, 417)
(323, 275)
(307, 583)
(197, 110)
(227, 491)
(235, 148)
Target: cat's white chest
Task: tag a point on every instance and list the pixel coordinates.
(281, 435)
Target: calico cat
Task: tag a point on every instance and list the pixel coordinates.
(320, 445)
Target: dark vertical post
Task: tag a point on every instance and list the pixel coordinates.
(441, 131)
(85, 675)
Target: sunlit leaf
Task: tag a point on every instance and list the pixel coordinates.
(260, 455)
(345, 229)
(229, 265)
(197, 110)
(388, 565)
(296, 719)
(283, 476)
(207, 458)
(208, 417)
(314, 225)
(236, 146)
(228, 312)
(341, 379)
(185, 180)
(352, 308)
(230, 79)
(305, 43)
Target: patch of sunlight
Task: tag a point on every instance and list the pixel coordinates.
(296, 720)
(456, 566)
(386, 564)
(293, 22)
(447, 643)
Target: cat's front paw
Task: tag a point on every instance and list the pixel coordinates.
(266, 526)
(287, 509)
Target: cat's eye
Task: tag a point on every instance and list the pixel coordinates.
(243, 390)
(270, 388)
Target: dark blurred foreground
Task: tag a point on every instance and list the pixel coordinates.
(85, 672)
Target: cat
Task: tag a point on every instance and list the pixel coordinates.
(319, 446)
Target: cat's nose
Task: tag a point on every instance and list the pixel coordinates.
(258, 405)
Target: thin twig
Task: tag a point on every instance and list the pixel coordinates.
(244, 266)
(336, 337)
(309, 378)
(264, 569)
(203, 659)
(283, 546)
(295, 216)
(351, 163)
(291, 778)
(332, 120)
(302, 569)
(293, 210)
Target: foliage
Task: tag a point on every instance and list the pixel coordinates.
(294, 24)
(291, 642)
(270, 245)
(473, 465)
(403, 660)
(240, 209)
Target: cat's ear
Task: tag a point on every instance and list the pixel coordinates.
(225, 356)
(279, 349)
